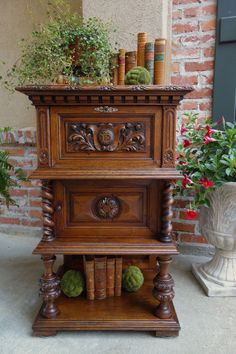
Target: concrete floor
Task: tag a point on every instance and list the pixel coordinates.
(208, 324)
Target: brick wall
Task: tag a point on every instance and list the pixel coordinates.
(193, 41)
(27, 216)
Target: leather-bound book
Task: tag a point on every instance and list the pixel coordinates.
(159, 61)
(114, 65)
(130, 60)
(100, 277)
(121, 67)
(149, 59)
(110, 276)
(89, 275)
(118, 276)
(142, 39)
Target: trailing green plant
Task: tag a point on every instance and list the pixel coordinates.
(207, 159)
(10, 176)
(65, 45)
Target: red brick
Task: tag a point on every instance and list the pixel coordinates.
(35, 214)
(202, 93)
(35, 203)
(185, 28)
(19, 193)
(189, 105)
(208, 25)
(209, 52)
(181, 52)
(192, 238)
(178, 226)
(16, 151)
(32, 223)
(199, 66)
(11, 221)
(179, 2)
(209, 10)
(184, 80)
(176, 15)
(191, 12)
(205, 106)
(175, 68)
(194, 40)
(35, 193)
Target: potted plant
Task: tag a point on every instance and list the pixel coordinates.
(10, 176)
(207, 161)
(62, 50)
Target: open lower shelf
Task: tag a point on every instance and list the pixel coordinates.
(130, 311)
(105, 246)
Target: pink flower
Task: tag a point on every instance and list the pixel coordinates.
(186, 181)
(207, 139)
(182, 163)
(206, 183)
(210, 131)
(190, 214)
(186, 143)
(183, 129)
(221, 121)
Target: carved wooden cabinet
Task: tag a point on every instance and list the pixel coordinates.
(106, 158)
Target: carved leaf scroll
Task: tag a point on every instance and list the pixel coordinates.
(106, 137)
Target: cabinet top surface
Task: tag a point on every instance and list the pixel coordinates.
(132, 89)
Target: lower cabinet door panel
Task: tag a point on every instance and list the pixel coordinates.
(107, 208)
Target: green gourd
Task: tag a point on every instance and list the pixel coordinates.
(72, 283)
(138, 76)
(132, 278)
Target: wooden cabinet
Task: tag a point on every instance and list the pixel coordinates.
(106, 158)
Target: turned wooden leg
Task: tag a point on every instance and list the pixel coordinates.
(167, 213)
(48, 210)
(163, 288)
(49, 288)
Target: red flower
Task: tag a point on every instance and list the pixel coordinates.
(182, 163)
(183, 129)
(221, 121)
(190, 214)
(206, 183)
(186, 143)
(186, 181)
(210, 131)
(207, 139)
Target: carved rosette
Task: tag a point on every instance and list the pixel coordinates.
(107, 207)
(49, 288)
(163, 288)
(48, 210)
(43, 157)
(106, 137)
(168, 159)
(167, 213)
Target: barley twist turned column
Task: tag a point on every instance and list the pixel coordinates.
(49, 289)
(163, 288)
(47, 206)
(167, 213)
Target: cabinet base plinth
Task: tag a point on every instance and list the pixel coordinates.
(129, 312)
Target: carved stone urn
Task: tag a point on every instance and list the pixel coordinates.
(218, 225)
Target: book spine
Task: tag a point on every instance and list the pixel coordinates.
(121, 67)
(130, 60)
(100, 277)
(142, 39)
(159, 61)
(89, 275)
(149, 59)
(114, 63)
(118, 276)
(110, 277)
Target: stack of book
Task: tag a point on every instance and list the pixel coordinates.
(151, 55)
(103, 276)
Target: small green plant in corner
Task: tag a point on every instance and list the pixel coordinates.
(67, 46)
(10, 176)
(206, 159)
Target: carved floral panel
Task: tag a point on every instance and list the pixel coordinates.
(106, 137)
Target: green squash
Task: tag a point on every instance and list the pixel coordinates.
(132, 278)
(138, 76)
(72, 283)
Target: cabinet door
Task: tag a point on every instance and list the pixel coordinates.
(126, 138)
(107, 209)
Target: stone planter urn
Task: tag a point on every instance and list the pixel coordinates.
(218, 225)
